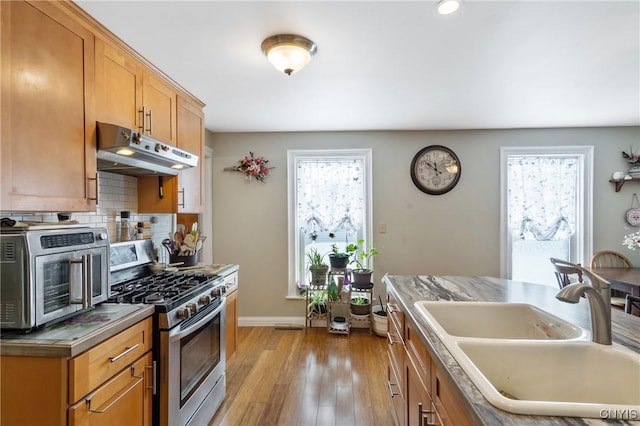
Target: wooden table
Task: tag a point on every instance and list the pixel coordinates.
(623, 279)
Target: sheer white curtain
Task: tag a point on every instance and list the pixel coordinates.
(542, 197)
(330, 195)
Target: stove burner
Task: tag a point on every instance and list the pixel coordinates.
(164, 290)
(154, 298)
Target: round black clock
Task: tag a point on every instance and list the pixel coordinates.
(435, 170)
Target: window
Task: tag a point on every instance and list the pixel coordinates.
(546, 209)
(329, 192)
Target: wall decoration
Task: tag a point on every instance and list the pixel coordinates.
(251, 167)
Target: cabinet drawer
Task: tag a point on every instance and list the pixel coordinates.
(395, 319)
(418, 355)
(119, 401)
(90, 369)
(396, 391)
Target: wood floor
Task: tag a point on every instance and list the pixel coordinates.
(289, 377)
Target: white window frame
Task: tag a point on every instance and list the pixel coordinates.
(584, 237)
(293, 156)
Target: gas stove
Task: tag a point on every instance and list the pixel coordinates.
(176, 296)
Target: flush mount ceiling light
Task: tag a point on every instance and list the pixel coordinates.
(446, 7)
(289, 52)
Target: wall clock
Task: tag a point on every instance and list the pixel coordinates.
(435, 170)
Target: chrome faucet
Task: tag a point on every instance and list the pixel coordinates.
(599, 296)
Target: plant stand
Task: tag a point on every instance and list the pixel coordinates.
(311, 316)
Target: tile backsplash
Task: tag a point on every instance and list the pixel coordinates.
(116, 193)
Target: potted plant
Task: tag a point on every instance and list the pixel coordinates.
(317, 267)
(317, 302)
(360, 305)
(361, 257)
(337, 259)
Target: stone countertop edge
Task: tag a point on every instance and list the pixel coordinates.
(71, 348)
(412, 288)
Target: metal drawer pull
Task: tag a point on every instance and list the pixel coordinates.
(105, 409)
(391, 392)
(423, 416)
(126, 351)
(390, 339)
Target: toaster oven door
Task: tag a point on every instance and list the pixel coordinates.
(69, 282)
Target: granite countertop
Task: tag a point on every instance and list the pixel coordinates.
(410, 289)
(77, 334)
(216, 268)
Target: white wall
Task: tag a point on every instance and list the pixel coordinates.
(453, 234)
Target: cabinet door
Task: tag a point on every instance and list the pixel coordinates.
(47, 144)
(191, 138)
(420, 410)
(118, 86)
(447, 406)
(231, 324)
(159, 100)
(123, 400)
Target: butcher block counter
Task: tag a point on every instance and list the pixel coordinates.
(406, 290)
(77, 334)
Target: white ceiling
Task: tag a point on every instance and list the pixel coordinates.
(395, 65)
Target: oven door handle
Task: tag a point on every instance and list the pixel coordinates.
(87, 275)
(177, 334)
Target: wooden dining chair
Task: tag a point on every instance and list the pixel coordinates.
(632, 302)
(565, 272)
(612, 259)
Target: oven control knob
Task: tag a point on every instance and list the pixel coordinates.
(218, 291)
(102, 236)
(192, 308)
(183, 313)
(204, 299)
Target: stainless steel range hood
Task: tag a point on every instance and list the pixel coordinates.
(125, 151)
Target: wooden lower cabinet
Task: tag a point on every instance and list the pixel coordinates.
(231, 316)
(421, 393)
(109, 384)
(122, 400)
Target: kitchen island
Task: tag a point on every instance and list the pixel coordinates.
(406, 290)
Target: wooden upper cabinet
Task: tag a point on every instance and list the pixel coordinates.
(183, 193)
(130, 95)
(159, 108)
(191, 139)
(118, 86)
(47, 143)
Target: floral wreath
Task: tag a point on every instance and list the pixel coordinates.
(251, 167)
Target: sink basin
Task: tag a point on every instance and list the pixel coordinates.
(571, 378)
(496, 321)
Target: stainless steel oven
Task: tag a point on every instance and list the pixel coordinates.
(189, 333)
(50, 273)
(192, 360)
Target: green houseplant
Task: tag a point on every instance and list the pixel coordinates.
(360, 305)
(317, 267)
(361, 257)
(337, 259)
(317, 302)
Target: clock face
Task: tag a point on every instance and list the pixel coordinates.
(435, 170)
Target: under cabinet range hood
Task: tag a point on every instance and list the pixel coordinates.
(125, 151)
